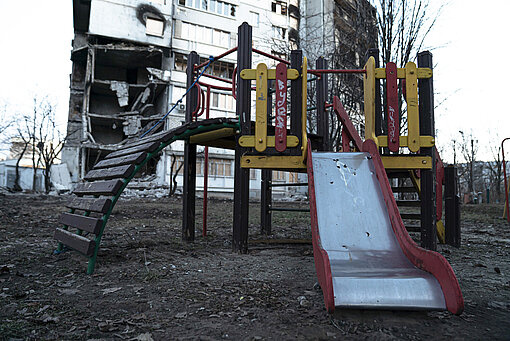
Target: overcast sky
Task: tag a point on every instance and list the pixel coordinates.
(471, 37)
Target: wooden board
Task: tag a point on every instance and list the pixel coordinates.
(122, 160)
(110, 173)
(92, 205)
(89, 224)
(108, 187)
(261, 109)
(147, 147)
(74, 241)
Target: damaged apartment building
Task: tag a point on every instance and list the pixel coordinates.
(129, 59)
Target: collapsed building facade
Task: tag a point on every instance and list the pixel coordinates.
(129, 59)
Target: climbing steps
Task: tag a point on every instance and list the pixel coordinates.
(94, 199)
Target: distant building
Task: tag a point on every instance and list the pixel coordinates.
(26, 172)
(129, 60)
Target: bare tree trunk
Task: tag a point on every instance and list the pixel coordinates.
(17, 186)
(173, 175)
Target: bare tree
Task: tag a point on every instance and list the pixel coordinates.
(174, 172)
(50, 142)
(38, 136)
(495, 168)
(469, 150)
(403, 26)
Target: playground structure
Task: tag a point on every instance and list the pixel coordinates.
(397, 272)
(506, 182)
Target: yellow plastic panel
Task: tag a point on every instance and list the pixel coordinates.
(273, 162)
(304, 144)
(440, 232)
(369, 97)
(271, 74)
(413, 117)
(261, 108)
(425, 141)
(423, 72)
(212, 135)
(249, 141)
(407, 162)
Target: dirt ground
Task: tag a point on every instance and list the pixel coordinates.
(149, 285)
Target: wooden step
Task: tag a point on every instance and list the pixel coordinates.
(91, 205)
(413, 216)
(133, 159)
(74, 241)
(404, 190)
(108, 187)
(146, 147)
(398, 174)
(110, 173)
(163, 136)
(89, 224)
(413, 228)
(409, 203)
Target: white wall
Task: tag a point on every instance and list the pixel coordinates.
(118, 19)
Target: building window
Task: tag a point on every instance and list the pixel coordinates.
(293, 177)
(154, 27)
(253, 174)
(279, 32)
(254, 19)
(180, 62)
(279, 7)
(222, 101)
(279, 176)
(213, 6)
(202, 34)
(220, 167)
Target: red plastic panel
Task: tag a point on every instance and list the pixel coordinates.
(427, 260)
(322, 264)
(392, 107)
(345, 141)
(348, 127)
(281, 108)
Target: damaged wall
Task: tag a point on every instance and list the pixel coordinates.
(118, 83)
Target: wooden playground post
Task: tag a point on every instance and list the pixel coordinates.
(428, 176)
(190, 155)
(452, 209)
(379, 119)
(296, 94)
(243, 112)
(266, 177)
(321, 97)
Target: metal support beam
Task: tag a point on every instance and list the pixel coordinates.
(322, 116)
(452, 209)
(265, 201)
(428, 176)
(190, 156)
(243, 111)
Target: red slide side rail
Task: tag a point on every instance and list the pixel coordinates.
(426, 260)
(348, 127)
(321, 258)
